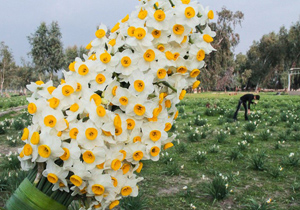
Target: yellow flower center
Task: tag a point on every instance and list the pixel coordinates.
(39, 82)
(139, 33)
(168, 145)
(154, 151)
(195, 73)
(117, 121)
(126, 168)
(189, 12)
(50, 121)
(76, 180)
(126, 61)
(93, 57)
(123, 100)
(114, 204)
(139, 85)
(91, 133)
(124, 154)
(116, 164)
(130, 124)
(73, 133)
(74, 107)
(100, 166)
(115, 181)
(168, 104)
(125, 19)
(98, 189)
(149, 55)
(52, 178)
(200, 55)
(115, 28)
(118, 131)
(100, 33)
(66, 155)
(106, 133)
(83, 70)
(25, 134)
(112, 42)
(176, 115)
(53, 102)
(35, 138)
(161, 48)
(72, 66)
(89, 46)
(50, 89)
(97, 206)
(101, 111)
(207, 38)
(182, 69)
(130, 31)
(67, 90)
(142, 14)
(210, 14)
(176, 55)
(100, 78)
(159, 15)
(138, 170)
(178, 29)
(168, 126)
(155, 135)
(27, 149)
(96, 98)
(44, 151)
(184, 39)
(138, 155)
(156, 33)
(182, 94)
(139, 109)
(137, 139)
(114, 91)
(196, 84)
(31, 108)
(105, 57)
(88, 157)
(126, 191)
(78, 87)
(185, 1)
(161, 73)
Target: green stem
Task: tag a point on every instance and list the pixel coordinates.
(199, 29)
(41, 183)
(155, 6)
(172, 4)
(166, 84)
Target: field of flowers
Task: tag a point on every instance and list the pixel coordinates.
(216, 163)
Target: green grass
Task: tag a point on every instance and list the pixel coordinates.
(181, 179)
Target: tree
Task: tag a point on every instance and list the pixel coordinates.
(220, 64)
(6, 64)
(47, 49)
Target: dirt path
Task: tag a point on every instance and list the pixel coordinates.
(14, 109)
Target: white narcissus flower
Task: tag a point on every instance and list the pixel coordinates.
(89, 136)
(141, 84)
(72, 153)
(93, 157)
(56, 175)
(127, 62)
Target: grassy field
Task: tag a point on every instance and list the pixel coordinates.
(216, 163)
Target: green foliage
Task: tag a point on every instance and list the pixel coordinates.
(291, 160)
(234, 154)
(18, 124)
(134, 203)
(194, 137)
(265, 135)
(199, 157)
(256, 205)
(218, 188)
(258, 161)
(250, 126)
(221, 136)
(200, 122)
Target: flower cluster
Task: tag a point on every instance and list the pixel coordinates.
(114, 108)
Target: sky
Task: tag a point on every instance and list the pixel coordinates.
(78, 19)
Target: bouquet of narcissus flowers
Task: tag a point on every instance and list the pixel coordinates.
(113, 109)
